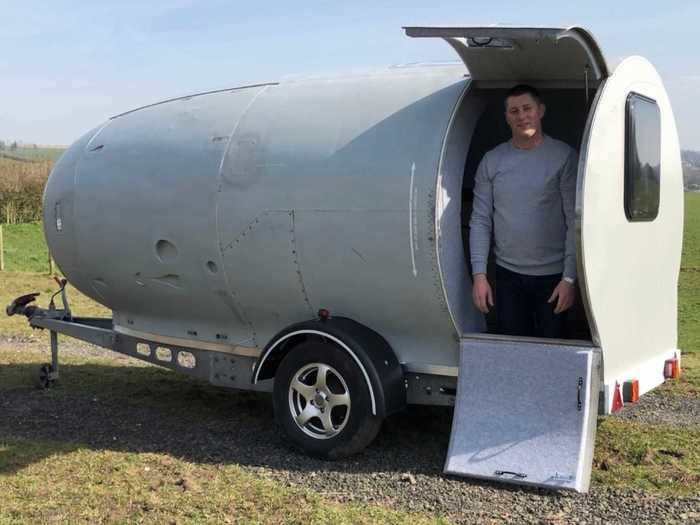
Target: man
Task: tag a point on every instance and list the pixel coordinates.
(525, 192)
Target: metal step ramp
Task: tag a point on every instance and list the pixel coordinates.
(525, 412)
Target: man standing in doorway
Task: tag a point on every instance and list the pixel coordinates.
(525, 192)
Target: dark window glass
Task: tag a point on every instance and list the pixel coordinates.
(642, 158)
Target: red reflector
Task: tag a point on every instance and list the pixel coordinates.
(672, 368)
(617, 398)
(676, 367)
(630, 391)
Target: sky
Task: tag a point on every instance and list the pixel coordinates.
(66, 66)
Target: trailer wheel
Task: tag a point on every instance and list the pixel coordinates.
(44, 378)
(323, 403)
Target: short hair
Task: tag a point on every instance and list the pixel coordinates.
(522, 89)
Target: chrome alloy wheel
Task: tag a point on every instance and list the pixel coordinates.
(319, 400)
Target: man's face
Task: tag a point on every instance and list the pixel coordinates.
(524, 116)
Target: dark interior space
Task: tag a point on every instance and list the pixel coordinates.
(565, 119)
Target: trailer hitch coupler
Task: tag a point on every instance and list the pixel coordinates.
(18, 306)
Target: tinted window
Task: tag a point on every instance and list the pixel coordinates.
(642, 158)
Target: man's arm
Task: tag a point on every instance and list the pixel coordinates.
(565, 292)
(481, 220)
(480, 226)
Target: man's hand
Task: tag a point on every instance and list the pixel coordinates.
(481, 293)
(564, 294)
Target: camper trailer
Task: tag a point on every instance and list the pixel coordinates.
(307, 237)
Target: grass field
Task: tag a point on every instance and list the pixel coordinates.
(115, 485)
(34, 154)
(691, 232)
(109, 486)
(689, 280)
(25, 249)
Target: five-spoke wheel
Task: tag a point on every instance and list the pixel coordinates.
(323, 402)
(319, 400)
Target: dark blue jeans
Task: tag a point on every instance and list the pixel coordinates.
(522, 307)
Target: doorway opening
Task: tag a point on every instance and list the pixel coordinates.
(478, 126)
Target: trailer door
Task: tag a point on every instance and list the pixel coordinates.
(521, 54)
(525, 412)
(630, 217)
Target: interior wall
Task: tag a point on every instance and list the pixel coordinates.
(565, 119)
(456, 276)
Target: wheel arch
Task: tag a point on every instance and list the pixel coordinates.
(381, 370)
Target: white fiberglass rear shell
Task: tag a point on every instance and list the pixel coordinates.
(629, 270)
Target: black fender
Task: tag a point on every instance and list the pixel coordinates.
(375, 358)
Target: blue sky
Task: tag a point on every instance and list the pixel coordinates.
(66, 66)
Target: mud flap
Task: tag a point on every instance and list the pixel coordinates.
(525, 413)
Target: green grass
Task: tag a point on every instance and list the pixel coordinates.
(655, 458)
(689, 282)
(61, 483)
(689, 312)
(691, 233)
(25, 248)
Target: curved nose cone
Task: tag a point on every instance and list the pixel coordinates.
(59, 208)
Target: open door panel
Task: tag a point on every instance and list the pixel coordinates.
(525, 412)
(523, 53)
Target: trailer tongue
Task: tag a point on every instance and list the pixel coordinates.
(532, 422)
(217, 365)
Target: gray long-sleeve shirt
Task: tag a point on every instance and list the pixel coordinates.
(529, 198)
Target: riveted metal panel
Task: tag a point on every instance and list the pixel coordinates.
(144, 217)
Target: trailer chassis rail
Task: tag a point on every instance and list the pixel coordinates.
(220, 368)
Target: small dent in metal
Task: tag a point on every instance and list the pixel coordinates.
(172, 280)
(166, 250)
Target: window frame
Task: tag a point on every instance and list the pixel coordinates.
(631, 168)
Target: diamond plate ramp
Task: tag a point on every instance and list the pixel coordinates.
(525, 413)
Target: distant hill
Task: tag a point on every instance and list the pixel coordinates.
(691, 157)
(691, 170)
